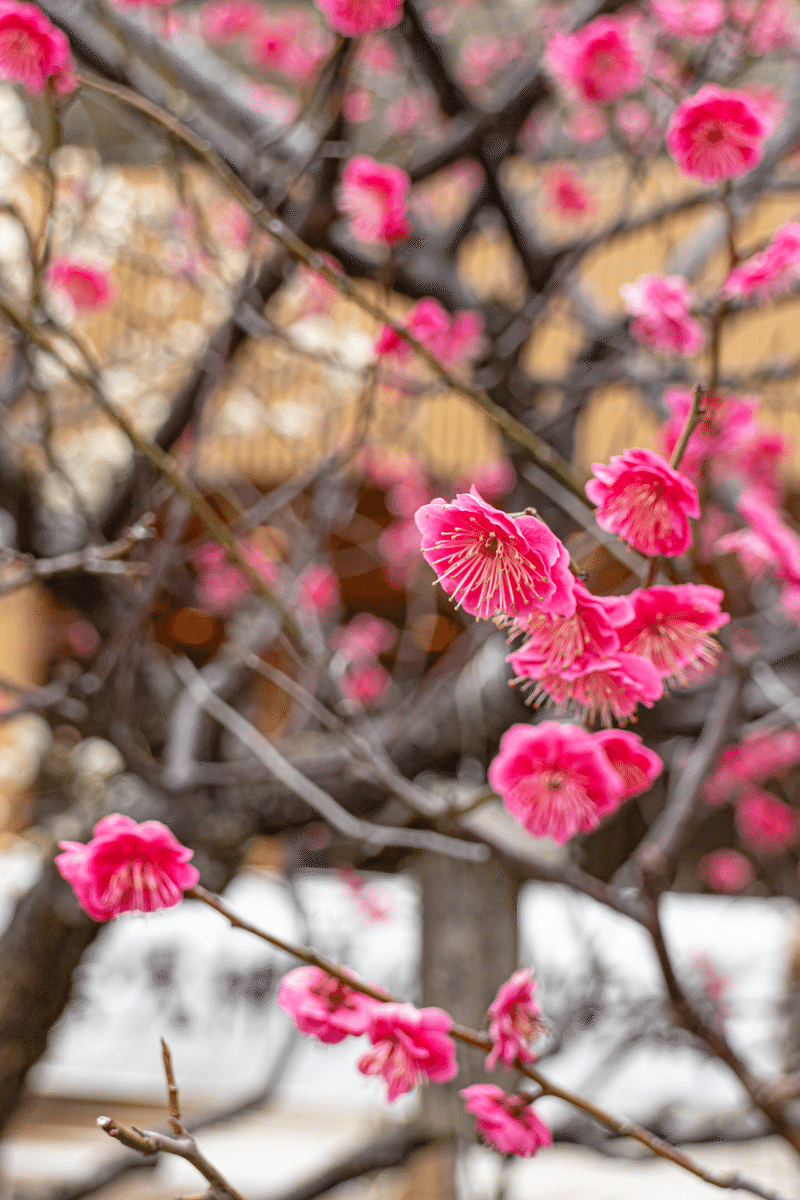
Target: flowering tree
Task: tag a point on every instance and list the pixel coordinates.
(328, 166)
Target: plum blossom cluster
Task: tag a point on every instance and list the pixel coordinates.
(132, 867)
(765, 824)
(558, 780)
(374, 195)
(660, 306)
(410, 1045)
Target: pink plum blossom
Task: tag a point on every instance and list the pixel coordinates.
(726, 426)
(89, 287)
(717, 134)
(323, 1006)
(782, 543)
(725, 871)
(365, 683)
(375, 195)
(493, 564)
(508, 1122)
(636, 121)
(514, 1018)
(772, 271)
(319, 589)
(659, 305)
(601, 62)
(220, 584)
(694, 20)
(672, 627)
(355, 18)
(760, 757)
(769, 24)
(365, 637)
(225, 21)
(765, 822)
(642, 499)
(492, 478)
(638, 765)
(555, 779)
(373, 903)
(450, 339)
(554, 643)
(407, 1044)
(127, 867)
(608, 689)
(32, 49)
(567, 193)
(587, 125)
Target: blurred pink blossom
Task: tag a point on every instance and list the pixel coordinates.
(772, 271)
(726, 871)
(765, 822)
(374, 196)
(407, 1044)
(32, 49)
(601, 62)
(227, 20)
(694, 20)
(567, 193)
(354, 18)
(89, 286)
(319, 589)
(365, 637)
(450, 339)
(364, 683)
(717, 134)
(659, 305)
(323, 1006)
(507, 1122)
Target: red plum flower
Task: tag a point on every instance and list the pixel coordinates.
(127, 867)
(354, 18)
(374, 195)
(725, 871)
(227, 20)
(717, 134)
(493, 564)
(610, 689)
(514, 1018)
(32, 50)
(319, 589)
(630, 758)
(554, 643)
(451, 339)
(89, 287)
(771, 272)
(555, 779)
(642, 499)
(508, 1122)
(672, 627)
(659, 305)
(694, 20)
(601, 62)
(567, 193)
(407, 1044)
(323, 1006)
(765, 822)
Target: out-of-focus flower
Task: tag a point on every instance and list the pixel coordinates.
(636, 763)
(640, 497)
(450, 339)
(672, 627)
(555, 779)
(771, 272)
(508, 1122)
(693, 20)
(355, 18)
(32, 49)
(319, 589)
(601, 62)
(717, 134)
(407, 1044)
(88, 286)
(726, 871)
(365, 637)
(374, 195)
(228, 20)
(323, 1006)
(364, 683)
(765, 822)
(514, 1019)
(567, 193)
(659, 305)
(127, 867)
